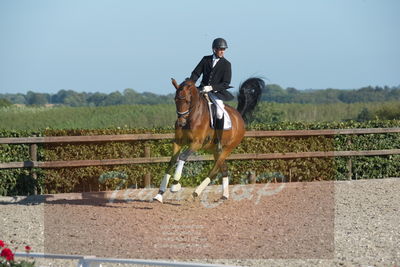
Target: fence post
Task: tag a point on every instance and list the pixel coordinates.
(86, 261)
(33, 158)
(252, 177)
(147, 176)
(349, 163)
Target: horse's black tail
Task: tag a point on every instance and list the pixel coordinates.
(249, 94)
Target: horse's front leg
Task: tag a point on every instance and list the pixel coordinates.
(176, 186)
(164, 182)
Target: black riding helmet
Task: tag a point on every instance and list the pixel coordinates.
(219, 43)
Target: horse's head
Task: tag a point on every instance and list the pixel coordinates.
(183, 100)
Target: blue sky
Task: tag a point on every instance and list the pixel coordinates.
(110, 45)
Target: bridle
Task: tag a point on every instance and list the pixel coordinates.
(186, 112)
(181, 114)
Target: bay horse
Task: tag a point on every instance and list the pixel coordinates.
(193, 129)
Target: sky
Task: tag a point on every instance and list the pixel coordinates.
(110, 45)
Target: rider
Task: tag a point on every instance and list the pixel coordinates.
(217, 73)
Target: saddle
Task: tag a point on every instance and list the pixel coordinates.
(212, 107)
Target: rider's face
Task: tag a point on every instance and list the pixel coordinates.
(219, 52)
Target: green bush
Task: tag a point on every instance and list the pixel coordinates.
(17, 181)
(4, 103)
(391, 112)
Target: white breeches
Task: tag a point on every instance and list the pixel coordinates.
(220, 108)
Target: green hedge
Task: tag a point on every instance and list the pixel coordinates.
(19, 182)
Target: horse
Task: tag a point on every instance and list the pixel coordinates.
(194, 131)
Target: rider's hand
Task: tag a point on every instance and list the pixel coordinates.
(207, 88)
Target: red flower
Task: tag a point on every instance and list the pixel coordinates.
(28, 249)
(2, 245)
(7, 253)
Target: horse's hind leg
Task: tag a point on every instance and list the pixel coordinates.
(225, 178)
(225, 181)
(218, 166)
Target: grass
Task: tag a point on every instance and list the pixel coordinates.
(163, 115)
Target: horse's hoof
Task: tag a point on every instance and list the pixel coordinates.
(176, 187)
(158, 198)
(224, 198)
(195, 195)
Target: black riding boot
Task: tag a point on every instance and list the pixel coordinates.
(219, 130)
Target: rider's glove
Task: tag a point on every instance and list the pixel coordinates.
(207, 88)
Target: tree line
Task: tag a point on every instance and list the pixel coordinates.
(81, 99)
(271, 93)
(275, 93)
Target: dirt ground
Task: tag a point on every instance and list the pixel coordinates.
(351, 223)
(183, 229)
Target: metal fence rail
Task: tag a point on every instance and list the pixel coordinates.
(92, 261)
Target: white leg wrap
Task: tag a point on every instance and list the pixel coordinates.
(164, 182)
(178, 173)
(201, 187)
(159, 198)
(178, 170)
(225, 187)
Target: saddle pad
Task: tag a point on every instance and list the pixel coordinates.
(227, 118)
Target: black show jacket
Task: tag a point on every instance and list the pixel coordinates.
(218, 77)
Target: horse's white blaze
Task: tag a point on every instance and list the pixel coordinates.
(225, 187)
(201, 187)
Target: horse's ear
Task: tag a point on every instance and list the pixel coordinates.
(175, 84)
